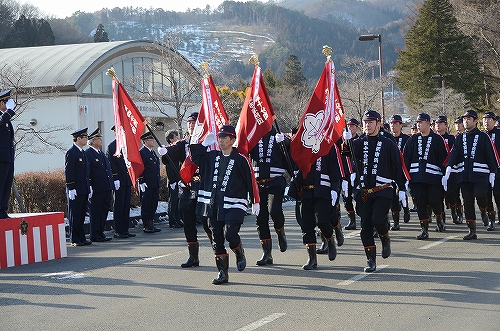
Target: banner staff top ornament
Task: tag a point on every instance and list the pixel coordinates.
(204, 68)
(112, 73)
(327, 51)
(254, 60)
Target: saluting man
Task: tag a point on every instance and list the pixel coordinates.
(7, 106)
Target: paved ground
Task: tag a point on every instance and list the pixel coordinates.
(443, 283)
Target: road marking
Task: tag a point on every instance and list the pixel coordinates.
(157, 257)
(437, 242)
(360, 276)
(65, 275)
(262, 322)
(352, 234)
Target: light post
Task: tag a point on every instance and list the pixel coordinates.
(441, 78)
(366, 37)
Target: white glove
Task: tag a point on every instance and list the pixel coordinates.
(117, 185)
(209, 139)
(345, 188)
(402, 198)
(407, 185)
(142, 187)
(335, 195)
(347, 134)
(162, 150)
(91, 192)
(72, 194)
(353, 179)
(279, 137)
(10, 104)
(492, 179)
(255, 209)
(444, 180)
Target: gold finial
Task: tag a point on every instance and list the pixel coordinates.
(204, 68)
(254, 60)
(111, 73)
(327, 51)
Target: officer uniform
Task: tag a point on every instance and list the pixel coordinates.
(121, 208)
(270, 164)
(476, 164)
(493, 192)
(172, 170)
(449, 139)
(77, 173)
(149, 183)
(6, 152)
(348, 200)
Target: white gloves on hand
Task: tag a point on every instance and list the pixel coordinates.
(492, 179)
(117, 185)
(255, 209)
(72, 194)
(444, 180)
(353, 179)
(10, 104)
(345, 188)
(402, 198)
(407, 185)
(91, 192)
(279, 137)
(162, 150)
(347, 134)
(209, 139)
(334, 197)
(142, 187)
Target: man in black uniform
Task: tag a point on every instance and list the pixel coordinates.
(7, 106)
(149, 183)
(172, 170)
(270, 164)
(476, 164)
(78, 189)
(226, 183)
(123, 189)
(101, 180)
(441, 124)
(379, 165)
(489, 120)
(352, 125)
(425, 155)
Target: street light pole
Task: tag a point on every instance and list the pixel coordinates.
(441, 78)
(366, 37)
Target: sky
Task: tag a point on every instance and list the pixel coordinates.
(62, 9)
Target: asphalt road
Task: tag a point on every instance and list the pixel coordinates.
(444, 283)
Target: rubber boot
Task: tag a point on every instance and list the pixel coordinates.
(484, 216)
(472, 230)
(460, 215)
(148, 226)
(491, 216)
(312, 262)
(267, 258)
(282, 243)
(406, 214)
(324, 246)
(339, 235)
(424, 224)
(241, 260)
(352, 221)
(386, 246)
(395, 221)
(222, 263)
(371, 255)
(192, 261)
(454, 217)
(440, 227)
(332, 250)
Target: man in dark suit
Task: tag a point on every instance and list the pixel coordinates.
(123, 189)
(101, 179)
(76, 170)
(7, 106)
(149, 182)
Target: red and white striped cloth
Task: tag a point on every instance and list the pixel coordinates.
(44, 240)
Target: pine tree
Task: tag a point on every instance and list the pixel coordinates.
(292, 75)
(100, 34)
(436, 46)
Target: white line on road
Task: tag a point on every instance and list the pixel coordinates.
(262, 322)
(352, 234)
(360, 276)
(437, 242)
(155, 257)
(65, 275)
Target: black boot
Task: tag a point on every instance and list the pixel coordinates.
(282, 243)
(192, 261)
(484, 216)
(324, 246)
(460, 215)
(148, 225)
(332, 250)
(352, 221)
(406, 215)
(267, 258)
(312, 262)
(241, 260)
(491, 216)
(339, 235)
(222, 263)
(454, 217)
(440, 227)
(386, 246)
(395, 219)
(425, 230)
(371, 255)
(472, 230)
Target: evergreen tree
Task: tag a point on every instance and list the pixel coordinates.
(436, 46)
(292, 75)
(45, 36)
(100, 34)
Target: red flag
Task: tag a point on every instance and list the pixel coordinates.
(129, 125)
(322, 123)
(257, 115)
(210, 118)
